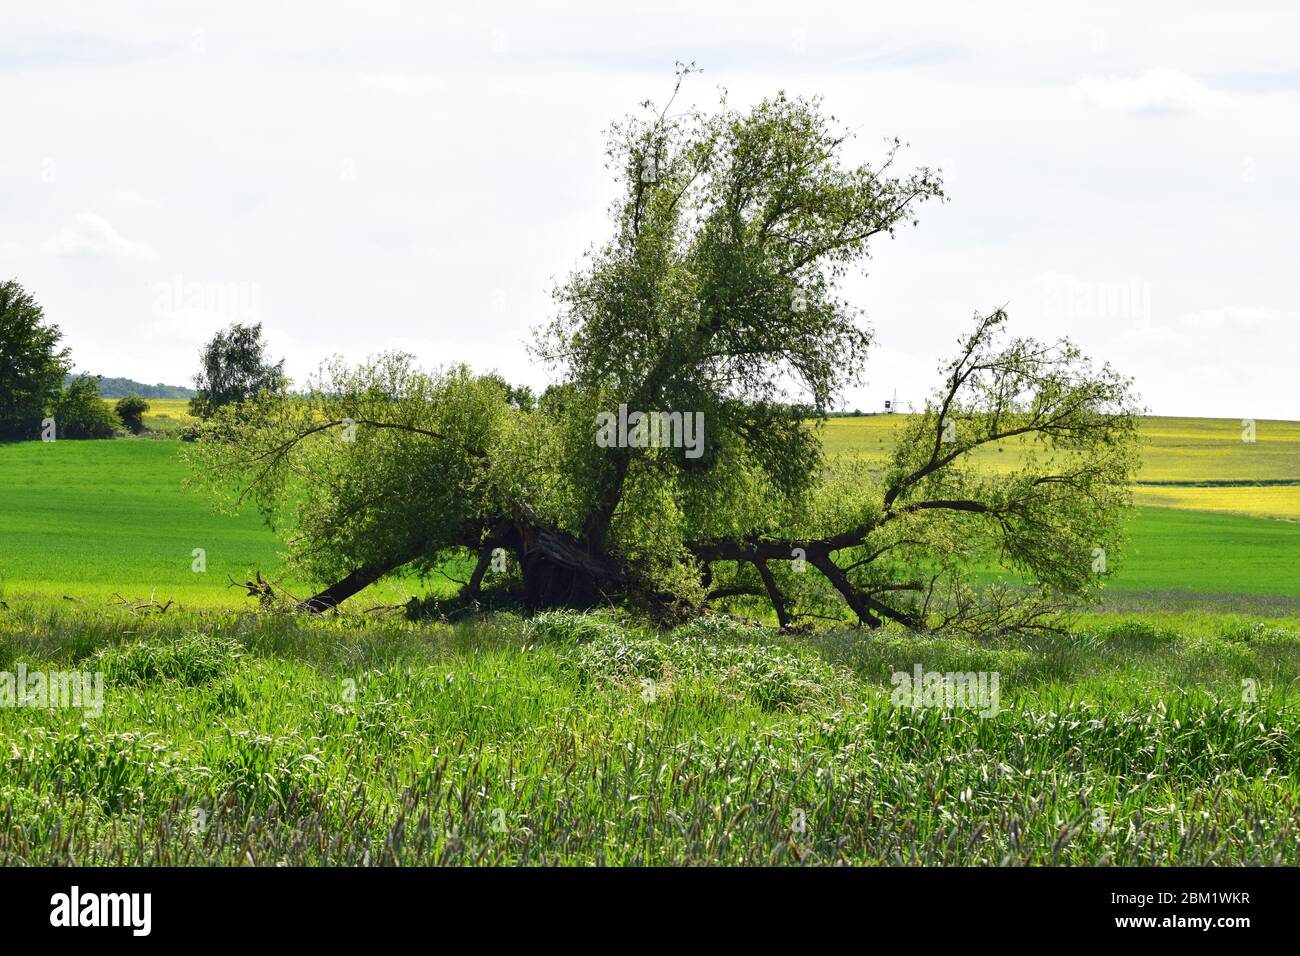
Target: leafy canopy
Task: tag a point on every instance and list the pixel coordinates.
(234, 368)
(32, 365)
(716, 293)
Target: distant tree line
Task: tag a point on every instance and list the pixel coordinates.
(110, 387)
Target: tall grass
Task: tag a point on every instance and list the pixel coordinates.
(584, 739)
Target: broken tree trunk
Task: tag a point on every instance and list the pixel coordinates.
(559, 571)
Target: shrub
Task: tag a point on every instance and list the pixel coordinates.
(131, 410)
(569, 627)
(1141, 633)
(771, 677)
(721, 627)
(79, 412)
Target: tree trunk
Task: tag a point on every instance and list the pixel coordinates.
(358, 580)
(559, 571)
(773, 593)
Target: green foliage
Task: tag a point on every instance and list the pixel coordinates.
(517, 396)
(715, 291)
(191, 661)
(113, 387)
(1060, 512)
(235, 368)
(78, 412)
(131, 409)
(569, 627)
(394, 461)
(32, 365)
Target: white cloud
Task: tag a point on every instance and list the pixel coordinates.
(1247, 320)
(130, 198)
(187, 326)
(93, 235)
(1158, 90)
(479, 177)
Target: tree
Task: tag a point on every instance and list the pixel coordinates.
(131, 409)
(32, 365)
(677, 463)
(719, 284)
(906, 549)
(79, 412)
(395, 458)
(517, 396)
(234, 369)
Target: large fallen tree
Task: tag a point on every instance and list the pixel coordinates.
(677, 461)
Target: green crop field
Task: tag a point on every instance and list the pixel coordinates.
(90, 520)
(1195, 463)
(1160, 729)
(94, 519)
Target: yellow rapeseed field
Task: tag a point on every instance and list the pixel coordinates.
(1200, 464)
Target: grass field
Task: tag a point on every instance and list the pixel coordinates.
(266, 740)
(1161, 729)
(98, 519)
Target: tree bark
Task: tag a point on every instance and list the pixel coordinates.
(559, 571)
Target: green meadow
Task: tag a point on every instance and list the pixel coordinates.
(93, 520)
(574, 739)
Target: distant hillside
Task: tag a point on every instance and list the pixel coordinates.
(118, 387)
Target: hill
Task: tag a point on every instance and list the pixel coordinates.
(120, 387)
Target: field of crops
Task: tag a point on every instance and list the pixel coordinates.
(96, 520)
(1200, 464)
(165, 417)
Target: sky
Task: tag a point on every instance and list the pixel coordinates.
(418, 176)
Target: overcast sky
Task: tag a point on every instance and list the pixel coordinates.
(372, 175)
